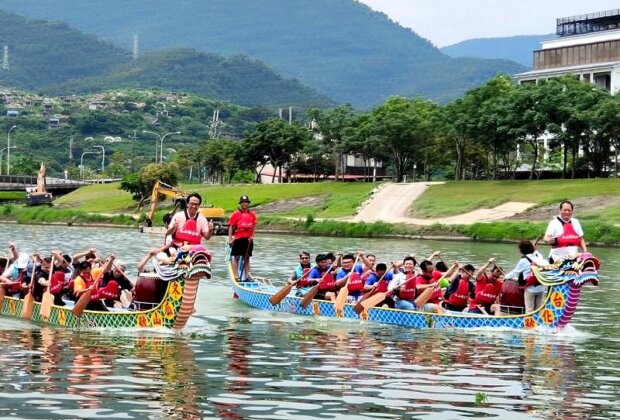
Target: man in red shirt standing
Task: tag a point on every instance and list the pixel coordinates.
(241, 235)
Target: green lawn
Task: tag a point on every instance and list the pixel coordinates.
(342, 199)
(455, 198)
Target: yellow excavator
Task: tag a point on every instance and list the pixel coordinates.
(214, 214)
(39, 195)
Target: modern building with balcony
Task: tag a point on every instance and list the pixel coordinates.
(587, 46)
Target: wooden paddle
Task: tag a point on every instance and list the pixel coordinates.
(343, 293)
(315, 289)
(278, 296)
(48, 297)
(28, 306)
(2, 294)
(359, 307)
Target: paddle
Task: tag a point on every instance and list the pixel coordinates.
(48, 297)
(359, 307)
(278, 296)
(315, 289)
(28, 306)
(2, 294)
(343, 293)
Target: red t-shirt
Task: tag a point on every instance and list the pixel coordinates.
(243, 223)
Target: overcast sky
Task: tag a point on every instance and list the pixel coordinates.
(446, 22)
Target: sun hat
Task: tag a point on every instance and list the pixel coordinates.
(22, 261)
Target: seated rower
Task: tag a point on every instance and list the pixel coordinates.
(350, 275)
(13, 276)
(460, 290)
(403, 284)
(377, 282)
(88, 278)
(300, 274)
(114, 284)
(55, 283)
(424, 281)
(488, 288)
(322, 275)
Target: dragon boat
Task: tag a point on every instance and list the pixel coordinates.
(564, 280)
(163, 299)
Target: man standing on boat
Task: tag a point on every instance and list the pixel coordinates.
(241, 236)
(188, 226)
(564, 234)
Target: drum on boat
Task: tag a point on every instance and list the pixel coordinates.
(149, 291)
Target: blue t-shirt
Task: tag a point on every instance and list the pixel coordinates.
(373, 278)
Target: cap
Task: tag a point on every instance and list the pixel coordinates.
(22, 261)
(244, 199)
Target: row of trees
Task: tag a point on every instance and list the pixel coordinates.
(495, 131)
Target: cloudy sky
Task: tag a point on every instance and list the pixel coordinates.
(446, 22)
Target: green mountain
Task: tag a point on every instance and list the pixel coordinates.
(340, 47)
(236, 79)
(515, 48)
(55, 59)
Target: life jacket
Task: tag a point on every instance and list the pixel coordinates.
(244, 227)
(512, 294)
(568, 237)
(328, 282)
(110, 292)
(408, 290)
(299, 273)
(424, 279)
(58, 282)
(460, 296)
(531, 279)
(355, 283)
(189, 231)
(16, 286)
(487, 292)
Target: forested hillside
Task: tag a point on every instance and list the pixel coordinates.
(515, 48)
(55, 59)
(340, 47)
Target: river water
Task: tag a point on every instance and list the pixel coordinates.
(236, 362)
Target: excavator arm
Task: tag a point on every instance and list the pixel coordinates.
(161, 188)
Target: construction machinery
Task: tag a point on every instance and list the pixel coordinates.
(39, 195)
(213, 214)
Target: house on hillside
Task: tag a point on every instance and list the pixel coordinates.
(588, 47)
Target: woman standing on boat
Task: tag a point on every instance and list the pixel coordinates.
(564, 233)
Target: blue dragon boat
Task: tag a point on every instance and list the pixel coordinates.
(564, 280)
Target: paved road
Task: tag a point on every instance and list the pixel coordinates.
(393, 202)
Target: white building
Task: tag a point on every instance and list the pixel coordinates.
(588, 46)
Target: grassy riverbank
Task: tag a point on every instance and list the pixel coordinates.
(314, 208)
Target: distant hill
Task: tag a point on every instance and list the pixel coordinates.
(515, 48)
(55, 59)
(340, 47)
(236, 79)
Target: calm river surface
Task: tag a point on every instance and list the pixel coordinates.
(236, 362)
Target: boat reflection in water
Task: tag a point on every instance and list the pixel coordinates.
(78, 375)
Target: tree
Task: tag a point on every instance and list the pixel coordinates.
(606, 117)
(405, 127)
(141, 184)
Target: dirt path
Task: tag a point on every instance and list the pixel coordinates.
(392, 203)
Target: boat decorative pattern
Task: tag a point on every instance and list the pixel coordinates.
(172, 312)
(565, 281)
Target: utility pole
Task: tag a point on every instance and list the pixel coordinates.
(136, 49)
(290, 115)
(70, 148)
(5, 59)
(133, 148)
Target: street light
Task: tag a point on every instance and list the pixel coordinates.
(161, 143)
(82, 163)
(158, 136)
(2, 151)
(8, 150)
(102, 157)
